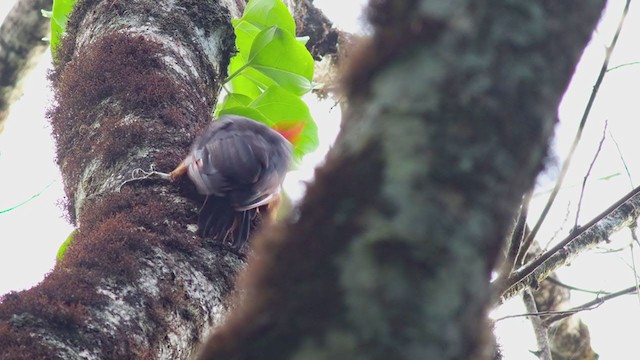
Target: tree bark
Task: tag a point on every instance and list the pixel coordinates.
(134, 82)
(21, 45)
(450, 112)
(451, 108)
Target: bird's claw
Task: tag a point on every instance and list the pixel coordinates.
(138, 174)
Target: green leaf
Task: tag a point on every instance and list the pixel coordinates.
(294, 83)
(278, 55)
(238, 82)
(284, 110)
(266, 13)
(247, 112)
(63, 248)
(270, 72)
(245, 34)
(261, 80)
(59, 15)
(233, 100)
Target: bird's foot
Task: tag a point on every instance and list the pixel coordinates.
(139, 174)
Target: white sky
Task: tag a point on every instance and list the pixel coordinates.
(31, 234)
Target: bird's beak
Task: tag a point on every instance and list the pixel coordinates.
(179, 171)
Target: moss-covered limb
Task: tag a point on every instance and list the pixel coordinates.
(21, 46)
(148, 73)
(134, 82)
(450, 111)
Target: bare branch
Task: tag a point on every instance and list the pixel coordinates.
(575, 288)
(583, 121)
(542, 337)
(518, 234)
(590, 305)
(586, 176)
(618, 216)
(624, 162)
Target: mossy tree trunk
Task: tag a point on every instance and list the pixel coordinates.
(450, 111)
(134, 81)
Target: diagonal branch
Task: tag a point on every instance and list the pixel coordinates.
(578, 136)
(618, 216)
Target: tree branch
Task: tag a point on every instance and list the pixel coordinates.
(396, 239)
(583, 121)
(542, 338)
(618, 216)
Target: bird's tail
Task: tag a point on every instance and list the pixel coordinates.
(219, 221)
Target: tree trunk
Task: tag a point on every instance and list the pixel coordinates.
(134, 82)
(451, 109)
(450, 112)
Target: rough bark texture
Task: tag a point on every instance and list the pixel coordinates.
(21, 45)
(134, 82)
(451, 108)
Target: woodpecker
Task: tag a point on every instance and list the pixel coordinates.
(239, 164)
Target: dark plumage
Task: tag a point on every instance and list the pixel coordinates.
(240, 165)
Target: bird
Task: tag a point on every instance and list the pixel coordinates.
(240, 165)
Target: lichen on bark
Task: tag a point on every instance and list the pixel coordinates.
(449, 113)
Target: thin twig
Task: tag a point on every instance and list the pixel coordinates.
(28, 200)
(590, 305)
(518, 235)
(550, 313)
(623, 65)
(542, 337)
(634, 236)
(624, 163)
(553, 316)
(585, 115)
(574, 288)
(561, 228)
(586, 176)
(522, 235)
